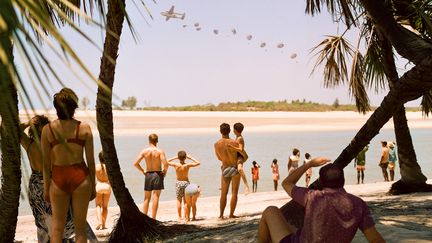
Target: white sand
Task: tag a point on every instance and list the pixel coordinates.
(163, 122)
(403, 218)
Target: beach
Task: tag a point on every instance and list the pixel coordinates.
(268, 135)
(404, 218)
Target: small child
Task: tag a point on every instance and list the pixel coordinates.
(242, 155)
(293, 161)
(309, 171)
(255, 176)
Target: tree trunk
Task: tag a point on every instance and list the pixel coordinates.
(132, 226)
(410, 86)
(411, 176)
(9, 135)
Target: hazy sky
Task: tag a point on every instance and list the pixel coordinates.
(172, 65)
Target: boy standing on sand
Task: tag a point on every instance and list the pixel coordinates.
(182, 173)
(154, 176)
(242, 156)
(255, 176)
(392, 159)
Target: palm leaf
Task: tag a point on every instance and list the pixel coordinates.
(333, 53)
(426, 104)
(338, 9)
(374, 71)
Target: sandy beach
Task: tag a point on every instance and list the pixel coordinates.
(163, 122)
(404, 218)
(399, 218)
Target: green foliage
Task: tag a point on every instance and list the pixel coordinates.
(129, 103)
(284, 105)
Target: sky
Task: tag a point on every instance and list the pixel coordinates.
(173, 65)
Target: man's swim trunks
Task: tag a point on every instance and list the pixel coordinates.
(192, 190)
(153, 181)
(229, 171)
(180, 188)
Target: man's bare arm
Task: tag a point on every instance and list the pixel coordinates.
(164, 162)
(373, 236)
(138, 161)
(291, 180)
(217, 152)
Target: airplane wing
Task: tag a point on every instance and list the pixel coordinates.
(171, 11)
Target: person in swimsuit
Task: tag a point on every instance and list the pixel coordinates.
(40, 208)
(275, 173)
(293, 161)
(103, 193)
(309, 171)
(182, 174)
(68, 180)
(154, 176)
(392, 159)
(255, 175)
(384, 161)
(228, 158)
(192, 192)
(242, 156)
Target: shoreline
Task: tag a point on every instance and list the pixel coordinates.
(402, 218)
(207, 122)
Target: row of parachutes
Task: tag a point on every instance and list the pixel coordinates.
(249, 37)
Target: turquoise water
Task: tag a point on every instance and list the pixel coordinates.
(261, 147)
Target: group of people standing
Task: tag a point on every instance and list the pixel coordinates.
(63, 179)
(388, 161)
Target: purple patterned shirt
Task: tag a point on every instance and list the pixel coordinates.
(331, 215)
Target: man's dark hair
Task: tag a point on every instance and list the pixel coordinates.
(384, 143)
(225, 128)
(65, 102)
(307, 155)
(153, 139)
(238, 127)
(181, 155)
(331, 176)
(101, 157)
(295, 151)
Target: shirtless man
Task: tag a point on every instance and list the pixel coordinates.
(154, 176)
(182, 173)
(384, 161)
(228, 158)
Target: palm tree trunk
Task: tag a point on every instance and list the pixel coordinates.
(132, 225)
(412, 179)
(410, 86)
(9, 135)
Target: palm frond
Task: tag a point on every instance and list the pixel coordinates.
(338, 9)
(356, 87)
(333, 53)
(374, 70)
(426, 104)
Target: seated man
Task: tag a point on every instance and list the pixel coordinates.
(331, 215)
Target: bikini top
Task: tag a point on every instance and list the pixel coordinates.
(75, 140)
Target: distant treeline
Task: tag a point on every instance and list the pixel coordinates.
(284, 105)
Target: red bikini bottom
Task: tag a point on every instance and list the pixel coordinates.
(69, 177)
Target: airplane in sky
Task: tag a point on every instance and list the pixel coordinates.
(171, 14)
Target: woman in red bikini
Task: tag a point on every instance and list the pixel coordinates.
(68, 180)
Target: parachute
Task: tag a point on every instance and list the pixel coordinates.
(184, 26)
(249, 37)
(294, 55)
(196, 24)
(216, 31)
(263, 44)
(234, 31)
(280, 45)
(198, 29)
